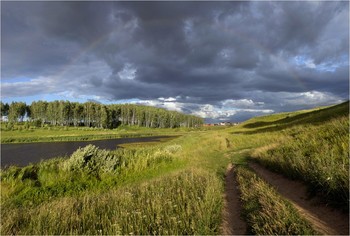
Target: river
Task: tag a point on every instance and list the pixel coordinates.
(22, 154)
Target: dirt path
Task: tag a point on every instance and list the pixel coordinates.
(232, 222)
(324, 219)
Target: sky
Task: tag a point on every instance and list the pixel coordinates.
(223, 61)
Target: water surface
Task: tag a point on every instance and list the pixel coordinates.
(22, 154)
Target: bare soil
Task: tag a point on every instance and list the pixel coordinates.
(232, 223)
(325, 219)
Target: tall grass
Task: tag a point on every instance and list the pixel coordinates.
(87, 168)
(265, 211)
(135, 190)
(318, 155)
(188, 202)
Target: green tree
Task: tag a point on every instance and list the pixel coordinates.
(4, 107)
(17, 111)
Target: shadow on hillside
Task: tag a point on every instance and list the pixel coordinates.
(315, 117)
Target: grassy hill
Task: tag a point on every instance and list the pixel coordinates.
(310, 145)
(176, 187)
(285, 120)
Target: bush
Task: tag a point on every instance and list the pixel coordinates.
(92, 159)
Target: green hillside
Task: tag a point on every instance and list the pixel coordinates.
(310, 145)
(177, 186)
(281, 121)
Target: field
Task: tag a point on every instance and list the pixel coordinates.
(177, 187)
(29, 133)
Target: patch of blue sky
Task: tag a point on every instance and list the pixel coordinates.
(300, 60)
(26, 99)
(333, 65)
(44, 97)
(130, 101)
(228, 108)
(329, 66)
(16, 80)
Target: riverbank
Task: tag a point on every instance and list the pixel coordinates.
(23, 134)
(22, 154)
(177, 187)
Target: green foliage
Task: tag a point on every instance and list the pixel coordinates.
(155, 189)
(90, 114)
(16, 111)
(4, 109)
(93, 160)
(87, 168)
(266, 212)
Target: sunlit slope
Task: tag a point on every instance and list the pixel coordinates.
(288, 119)
(312, 146)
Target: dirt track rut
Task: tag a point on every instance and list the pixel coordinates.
(232, 223)
(324, 219)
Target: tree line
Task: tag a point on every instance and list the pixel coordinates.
(91, 114)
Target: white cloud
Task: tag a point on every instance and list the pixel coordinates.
(240, 103)
(311, 98)
(310, 64)
(128, 72)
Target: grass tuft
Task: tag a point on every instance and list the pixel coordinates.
(265, 211)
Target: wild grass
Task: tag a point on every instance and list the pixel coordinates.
(174, 187)
(22, 133)
(265, 211)
(281, 121)
(139, 190)
(88, 168)
(318, 155)
(310, 145)
(188, 202)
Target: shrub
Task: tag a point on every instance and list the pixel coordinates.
(92, 159)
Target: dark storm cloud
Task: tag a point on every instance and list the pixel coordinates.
(197, 52)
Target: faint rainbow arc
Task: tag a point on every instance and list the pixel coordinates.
(79, 55)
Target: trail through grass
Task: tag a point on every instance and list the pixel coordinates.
(265, 211)
(170, 188)
(176, 187)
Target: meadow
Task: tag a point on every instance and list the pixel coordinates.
(314, 149)
(28, 132)
(176, 187)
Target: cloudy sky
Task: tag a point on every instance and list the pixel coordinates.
(218, 60)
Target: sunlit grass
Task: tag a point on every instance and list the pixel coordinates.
(312, 146)
(188, 202)
(87, 195)
(21, 133)
(318, 155)
(174, 186)
(265, 211)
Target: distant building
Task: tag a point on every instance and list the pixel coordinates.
(221, 124)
